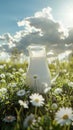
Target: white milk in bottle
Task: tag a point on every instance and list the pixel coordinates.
(38, 74)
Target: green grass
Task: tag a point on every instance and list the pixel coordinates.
(14, 79)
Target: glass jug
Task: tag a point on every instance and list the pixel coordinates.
(38, 74)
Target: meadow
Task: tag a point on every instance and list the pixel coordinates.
(22, 109)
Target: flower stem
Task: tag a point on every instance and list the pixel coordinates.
(68, 127)
(64, 128)
(35, 111)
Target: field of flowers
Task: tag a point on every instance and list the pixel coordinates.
(22, 109)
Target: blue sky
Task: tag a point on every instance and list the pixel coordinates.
(13, 10)
(23, 22)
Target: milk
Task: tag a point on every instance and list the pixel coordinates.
(38, 72)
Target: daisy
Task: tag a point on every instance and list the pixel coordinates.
(36, 100)
(9, 75)
(9, 118)
(3, 90)
(22, 80)
(46, 90)
(23, 103)
(70, 84)
(54, 106)
(29, 120)
(1, 66)
(64, 116)
(45, 87)
(58, 91)
(21, 70)
(12, 85)
(2, 75)
(14, 69)
(24, 74)
(3, 81)
(21, 92)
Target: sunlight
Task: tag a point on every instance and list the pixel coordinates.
(67, 14)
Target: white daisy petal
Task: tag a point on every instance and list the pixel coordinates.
(21, 92)
(64, 116)
(36, 100)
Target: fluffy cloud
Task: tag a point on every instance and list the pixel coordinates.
(69, 39)
(4, 56)
(45, 13)
(7, 39)
(40, 29)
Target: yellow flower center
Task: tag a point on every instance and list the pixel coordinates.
(37, 100)
(9, 118)
(65, 117)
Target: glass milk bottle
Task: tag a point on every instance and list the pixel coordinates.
(38, 74)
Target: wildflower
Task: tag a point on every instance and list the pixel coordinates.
(28, 120)
(45, 87)
(21, 70)
(58, 91)
(12, 85)
(54, 106)
(23, 103)
(3, 90)
(54, 79)
(9, 75)
(3, 81)
(37, 100)
(70, 84)
(64, 70)
(4, 65)
(21, 92)
(2, 75)
(1, 66)
(45, 84)
(24, 74)
(14, 69)
(9, 119)
(22, 80)
(46, 90)
(64, 116)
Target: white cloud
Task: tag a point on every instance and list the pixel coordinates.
(50, 53)
(28, 29)
(45, 13)
(68, 45)
(64, 55)
(69, 39)
(41, 28)
(64, 30)
(4, 56)
(23, 23)
(2, 38)
(7, 39)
